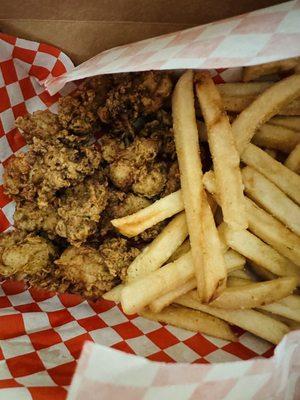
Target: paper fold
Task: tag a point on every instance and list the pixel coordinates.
(260, 36)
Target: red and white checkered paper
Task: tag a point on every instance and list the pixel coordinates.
(127, 377)
(42, 334)
(257, 37)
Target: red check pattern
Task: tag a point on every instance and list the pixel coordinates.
(42, 334)
(136, 378)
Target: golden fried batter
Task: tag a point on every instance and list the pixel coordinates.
(135, 169)
(47, 168)
(78, 112)
(80, 208)
(111, 147)
(28, 217)
(45, 125)
(25, 256)
(92, 272)
(132, 96)
(68, 190)
(173, 179)
(41, 124)
(17, 177)
(130, 204)
(150, 180)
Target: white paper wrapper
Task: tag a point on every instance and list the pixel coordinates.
(104, 373)
(257, 37)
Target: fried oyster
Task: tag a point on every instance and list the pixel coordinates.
(28, 257)
(47, 168)
(67, 189)
(92, 272)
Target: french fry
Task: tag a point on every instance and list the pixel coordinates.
(289, 307)
(260, 253)
(293, 160)
(261, 272)
(205, 246)
(168, 298)
(276, 137)
(233, 260)
(225, 157)
(288, 122)
(159, 250)
(134, 224)
(275, 67)
(214, 263)
(188, 153)
(271, 198)
(281, 176)
(272, 153)
(192, 320)
(239, 104)
(242, 89)
(250, 320)
(293, 325)
(263, 225)
(240, 274)
(184, 248)
(114, 294)
(138, 294)
(273, 232)
(234, 281)
(264, 107)
(256, 294)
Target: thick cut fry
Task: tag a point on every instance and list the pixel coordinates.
(114, 294)
(261, 272)
(163, 301)
(284, 178)
(293, 325)
(272, 153)
(233, 260)
(273, 232)
(288, 307)
(239, 104)
(288, 122)
(271, 198)
(134, 224)
(184, 248)
(138, 294)
(260, 253)
(188, 153)
(224, 245)
(241, 89)
(264, 107)
(275, 67)
(226, 159)
(250, 320)
(234, 281)
(256, 294)
(263, 225)
(195, 321)
(276, 137)
(293, 160)
(240, 274)
(213, 256)
(159, 251)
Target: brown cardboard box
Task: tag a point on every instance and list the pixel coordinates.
(83, 28)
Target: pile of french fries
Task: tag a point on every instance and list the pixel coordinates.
(231, 253)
